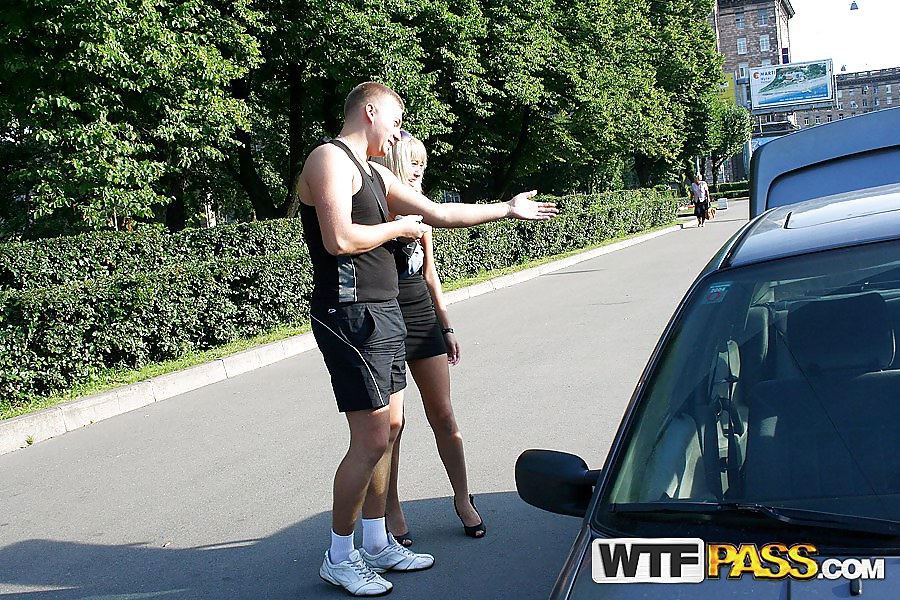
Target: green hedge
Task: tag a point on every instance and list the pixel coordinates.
(732, 186)
(736, 189)
(583, 221)
(43, 263)
(54, 337)
(132, 298)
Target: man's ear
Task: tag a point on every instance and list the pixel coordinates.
(371, 111)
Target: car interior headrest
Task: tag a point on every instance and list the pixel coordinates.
(849, 332)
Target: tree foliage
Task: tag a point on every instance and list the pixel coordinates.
(158, 108)
(109, 104)
(732, 128)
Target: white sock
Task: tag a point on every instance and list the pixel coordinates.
(374, 535)
(341, 547)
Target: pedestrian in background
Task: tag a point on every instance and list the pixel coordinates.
(431, 347)
(700, 193)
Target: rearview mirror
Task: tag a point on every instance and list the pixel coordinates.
(555, 481)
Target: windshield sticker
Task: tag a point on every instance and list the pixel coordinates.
(716, 293)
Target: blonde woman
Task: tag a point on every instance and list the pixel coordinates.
(431, 347)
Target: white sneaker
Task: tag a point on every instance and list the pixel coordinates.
(355, 576)
(396, 557)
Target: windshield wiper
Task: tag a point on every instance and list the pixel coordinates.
(782, 514)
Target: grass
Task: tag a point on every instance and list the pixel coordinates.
(114, 378)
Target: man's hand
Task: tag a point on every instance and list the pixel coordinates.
(521, 207)
(411, 227)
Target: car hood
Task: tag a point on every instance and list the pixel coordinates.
(585, 588)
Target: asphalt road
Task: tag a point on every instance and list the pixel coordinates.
(224, 492)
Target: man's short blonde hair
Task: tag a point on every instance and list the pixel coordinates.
(401, 155)
(369, 91)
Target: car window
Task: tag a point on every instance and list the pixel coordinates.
(779, 384)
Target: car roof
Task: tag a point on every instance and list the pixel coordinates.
(847, 154)
(840, 220)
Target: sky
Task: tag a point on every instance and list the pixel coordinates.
(863, 39)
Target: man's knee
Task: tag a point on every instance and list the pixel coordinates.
(370, 439)
(370, 448)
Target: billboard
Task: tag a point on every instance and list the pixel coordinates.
(727, 90)
(790, 86)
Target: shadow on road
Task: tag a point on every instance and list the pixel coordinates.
(721, 220)
(519, 558)
(569, 272)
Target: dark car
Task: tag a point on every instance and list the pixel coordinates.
(759, 456)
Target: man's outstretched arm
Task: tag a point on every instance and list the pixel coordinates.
(403, 200)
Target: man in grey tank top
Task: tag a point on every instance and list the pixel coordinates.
(362, 342)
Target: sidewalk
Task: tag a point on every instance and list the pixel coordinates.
(23, 431)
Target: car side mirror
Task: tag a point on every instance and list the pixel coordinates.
(555, 481)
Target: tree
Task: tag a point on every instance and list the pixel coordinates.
(688, 69)
(111, 103)
(314, 52)
(120, 107)
(732, 131)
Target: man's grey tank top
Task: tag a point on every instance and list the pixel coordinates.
(367, 277)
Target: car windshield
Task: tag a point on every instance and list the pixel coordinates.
(776, 398)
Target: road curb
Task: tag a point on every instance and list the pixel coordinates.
(23, 431)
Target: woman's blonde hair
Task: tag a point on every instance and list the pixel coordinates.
(402, 153)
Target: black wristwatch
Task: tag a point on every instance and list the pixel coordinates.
(447, 330)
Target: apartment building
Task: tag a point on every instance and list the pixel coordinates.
(856, 93)
(754, 33)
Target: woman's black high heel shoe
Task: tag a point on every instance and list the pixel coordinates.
(474, 531)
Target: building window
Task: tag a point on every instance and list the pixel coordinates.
(840, 106)
(742, 45)
(785, 56)
(829, 118)
(739, 20)
(767, 62)
(887, 88)
(818, 119)
(865, 90)
(764, 43)
(743, 69)
(889, 100)
(762, 16)
(806, 120)
(840, 93)
(853, 104)
(852, 91)
(877, 101)
(840, 116)
(865, 103)
(874, 89)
